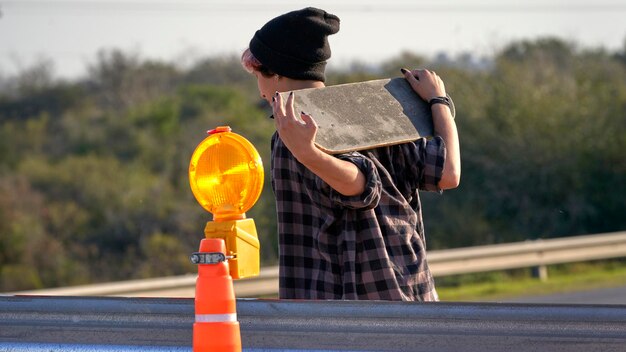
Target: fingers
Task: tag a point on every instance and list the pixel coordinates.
(277, 106)
(284, 113)
(289, 107)
(308, 120)
(427, 84)
(411, 77)
(297, 133)
(419, 74)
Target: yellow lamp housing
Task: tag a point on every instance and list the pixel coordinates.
(226, 178)
(242, 243)
(226, 174)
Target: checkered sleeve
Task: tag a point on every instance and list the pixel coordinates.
(371, 195)
(430, 156)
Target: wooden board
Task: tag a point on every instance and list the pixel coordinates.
(365, 115)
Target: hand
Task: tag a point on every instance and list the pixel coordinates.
(298, 135)
(428, 85)
(425, 83)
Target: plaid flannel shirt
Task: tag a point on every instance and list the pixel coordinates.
(369, 246)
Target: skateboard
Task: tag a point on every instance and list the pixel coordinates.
(365, 115)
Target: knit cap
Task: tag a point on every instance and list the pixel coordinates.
(295, 44)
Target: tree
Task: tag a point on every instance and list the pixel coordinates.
(93, 173)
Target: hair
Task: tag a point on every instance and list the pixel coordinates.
(251, 64)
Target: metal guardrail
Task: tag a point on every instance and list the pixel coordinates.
(266, 284)
(30, 323)
(442, 263)
(527, 254)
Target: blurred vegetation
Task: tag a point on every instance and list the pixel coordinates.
(93, 172)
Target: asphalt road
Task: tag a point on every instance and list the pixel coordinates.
(105, 324)
(615, 295)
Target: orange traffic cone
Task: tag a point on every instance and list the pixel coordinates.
(216, 327)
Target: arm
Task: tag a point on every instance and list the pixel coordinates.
(299, 136)
(428, 85)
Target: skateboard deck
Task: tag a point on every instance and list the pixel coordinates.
(365, 115)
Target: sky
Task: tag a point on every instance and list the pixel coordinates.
(69, 33)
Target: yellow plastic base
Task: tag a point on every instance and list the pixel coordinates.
(242, 243)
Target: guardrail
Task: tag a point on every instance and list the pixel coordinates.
(537, 253)
(81, 324)
(527, 254)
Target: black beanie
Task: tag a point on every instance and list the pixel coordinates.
(295, 44)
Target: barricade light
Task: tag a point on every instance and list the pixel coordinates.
(226, 174)
(226, 178)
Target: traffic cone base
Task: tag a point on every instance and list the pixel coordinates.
(216, 337)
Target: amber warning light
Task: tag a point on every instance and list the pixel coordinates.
(226, 178)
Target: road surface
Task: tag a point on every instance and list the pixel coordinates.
(615, 295)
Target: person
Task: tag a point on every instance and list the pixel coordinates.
(350, 225)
